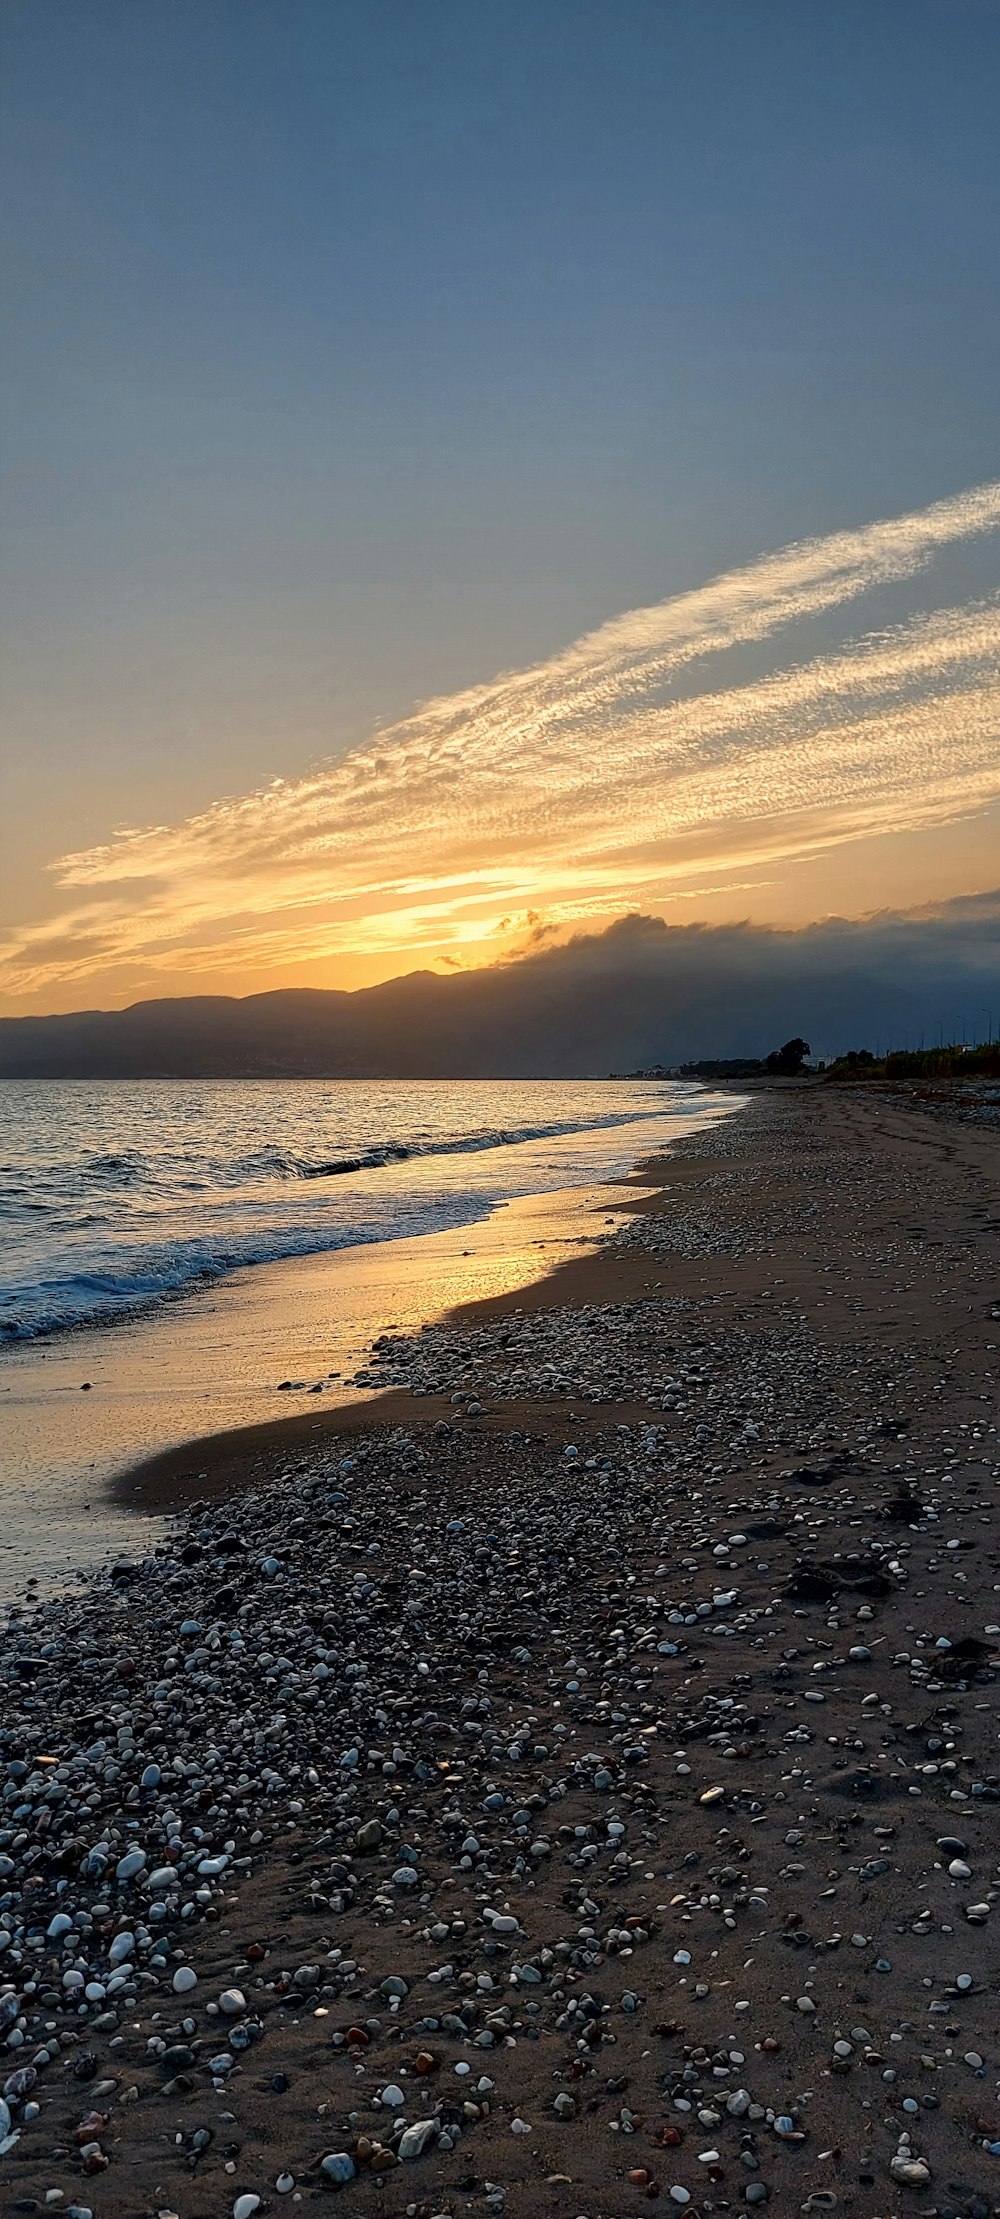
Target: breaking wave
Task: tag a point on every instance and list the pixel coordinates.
(116, 1195)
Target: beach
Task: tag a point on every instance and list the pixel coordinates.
(436, 1809)
(80, 1413)
(184, 1260)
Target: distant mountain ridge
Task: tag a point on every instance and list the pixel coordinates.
(640, 993)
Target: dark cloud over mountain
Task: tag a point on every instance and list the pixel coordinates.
(638, 993)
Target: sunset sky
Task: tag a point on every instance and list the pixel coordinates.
(643, 352)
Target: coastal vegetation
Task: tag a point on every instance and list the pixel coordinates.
(952, 1061)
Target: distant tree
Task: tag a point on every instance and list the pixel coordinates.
(787, 1062)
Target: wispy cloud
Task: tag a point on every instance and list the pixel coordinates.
(584, 784)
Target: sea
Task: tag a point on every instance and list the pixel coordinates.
(118, 1195)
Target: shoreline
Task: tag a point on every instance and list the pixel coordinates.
(253, 1455)
(545, 1807)
(231, 1458)
(83, 1413)
(425, 1203)
(79, 1411)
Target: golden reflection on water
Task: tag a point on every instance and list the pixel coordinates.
(90, 1404)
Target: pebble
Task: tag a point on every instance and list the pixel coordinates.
(414, 2140)
(339, 2167)
(912, 2172)
(129, 1866)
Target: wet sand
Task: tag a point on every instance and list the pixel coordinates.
(604, 1764)
(79, 1413)
(959, 1163)
(79, 1410)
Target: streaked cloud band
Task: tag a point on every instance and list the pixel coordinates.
(579, 786)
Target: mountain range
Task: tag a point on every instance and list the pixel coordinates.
(641, 992)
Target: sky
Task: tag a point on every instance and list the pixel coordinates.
(474, 471)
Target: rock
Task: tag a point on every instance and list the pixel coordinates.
(232, 2003)
(415, 2139)
(369, 1835)
(911, 2172)
(164, 1881)
(338, 2167)
(184, 1980)
(128, 1866)
(245, 2206)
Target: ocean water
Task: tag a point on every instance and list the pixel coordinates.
(116, 1195)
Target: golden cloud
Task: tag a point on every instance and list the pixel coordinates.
(587, 783)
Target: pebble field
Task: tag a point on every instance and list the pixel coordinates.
(572, 1785)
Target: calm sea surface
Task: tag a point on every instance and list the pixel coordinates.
(114, 1195)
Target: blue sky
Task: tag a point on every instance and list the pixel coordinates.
(359, 352)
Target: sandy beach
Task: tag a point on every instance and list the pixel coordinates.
(87, 1407)
(489, 1188)
(441, 1814)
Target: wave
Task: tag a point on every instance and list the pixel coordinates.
(95, 1297)
(111, 1204)
(469, 1144)
(115, 1175)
